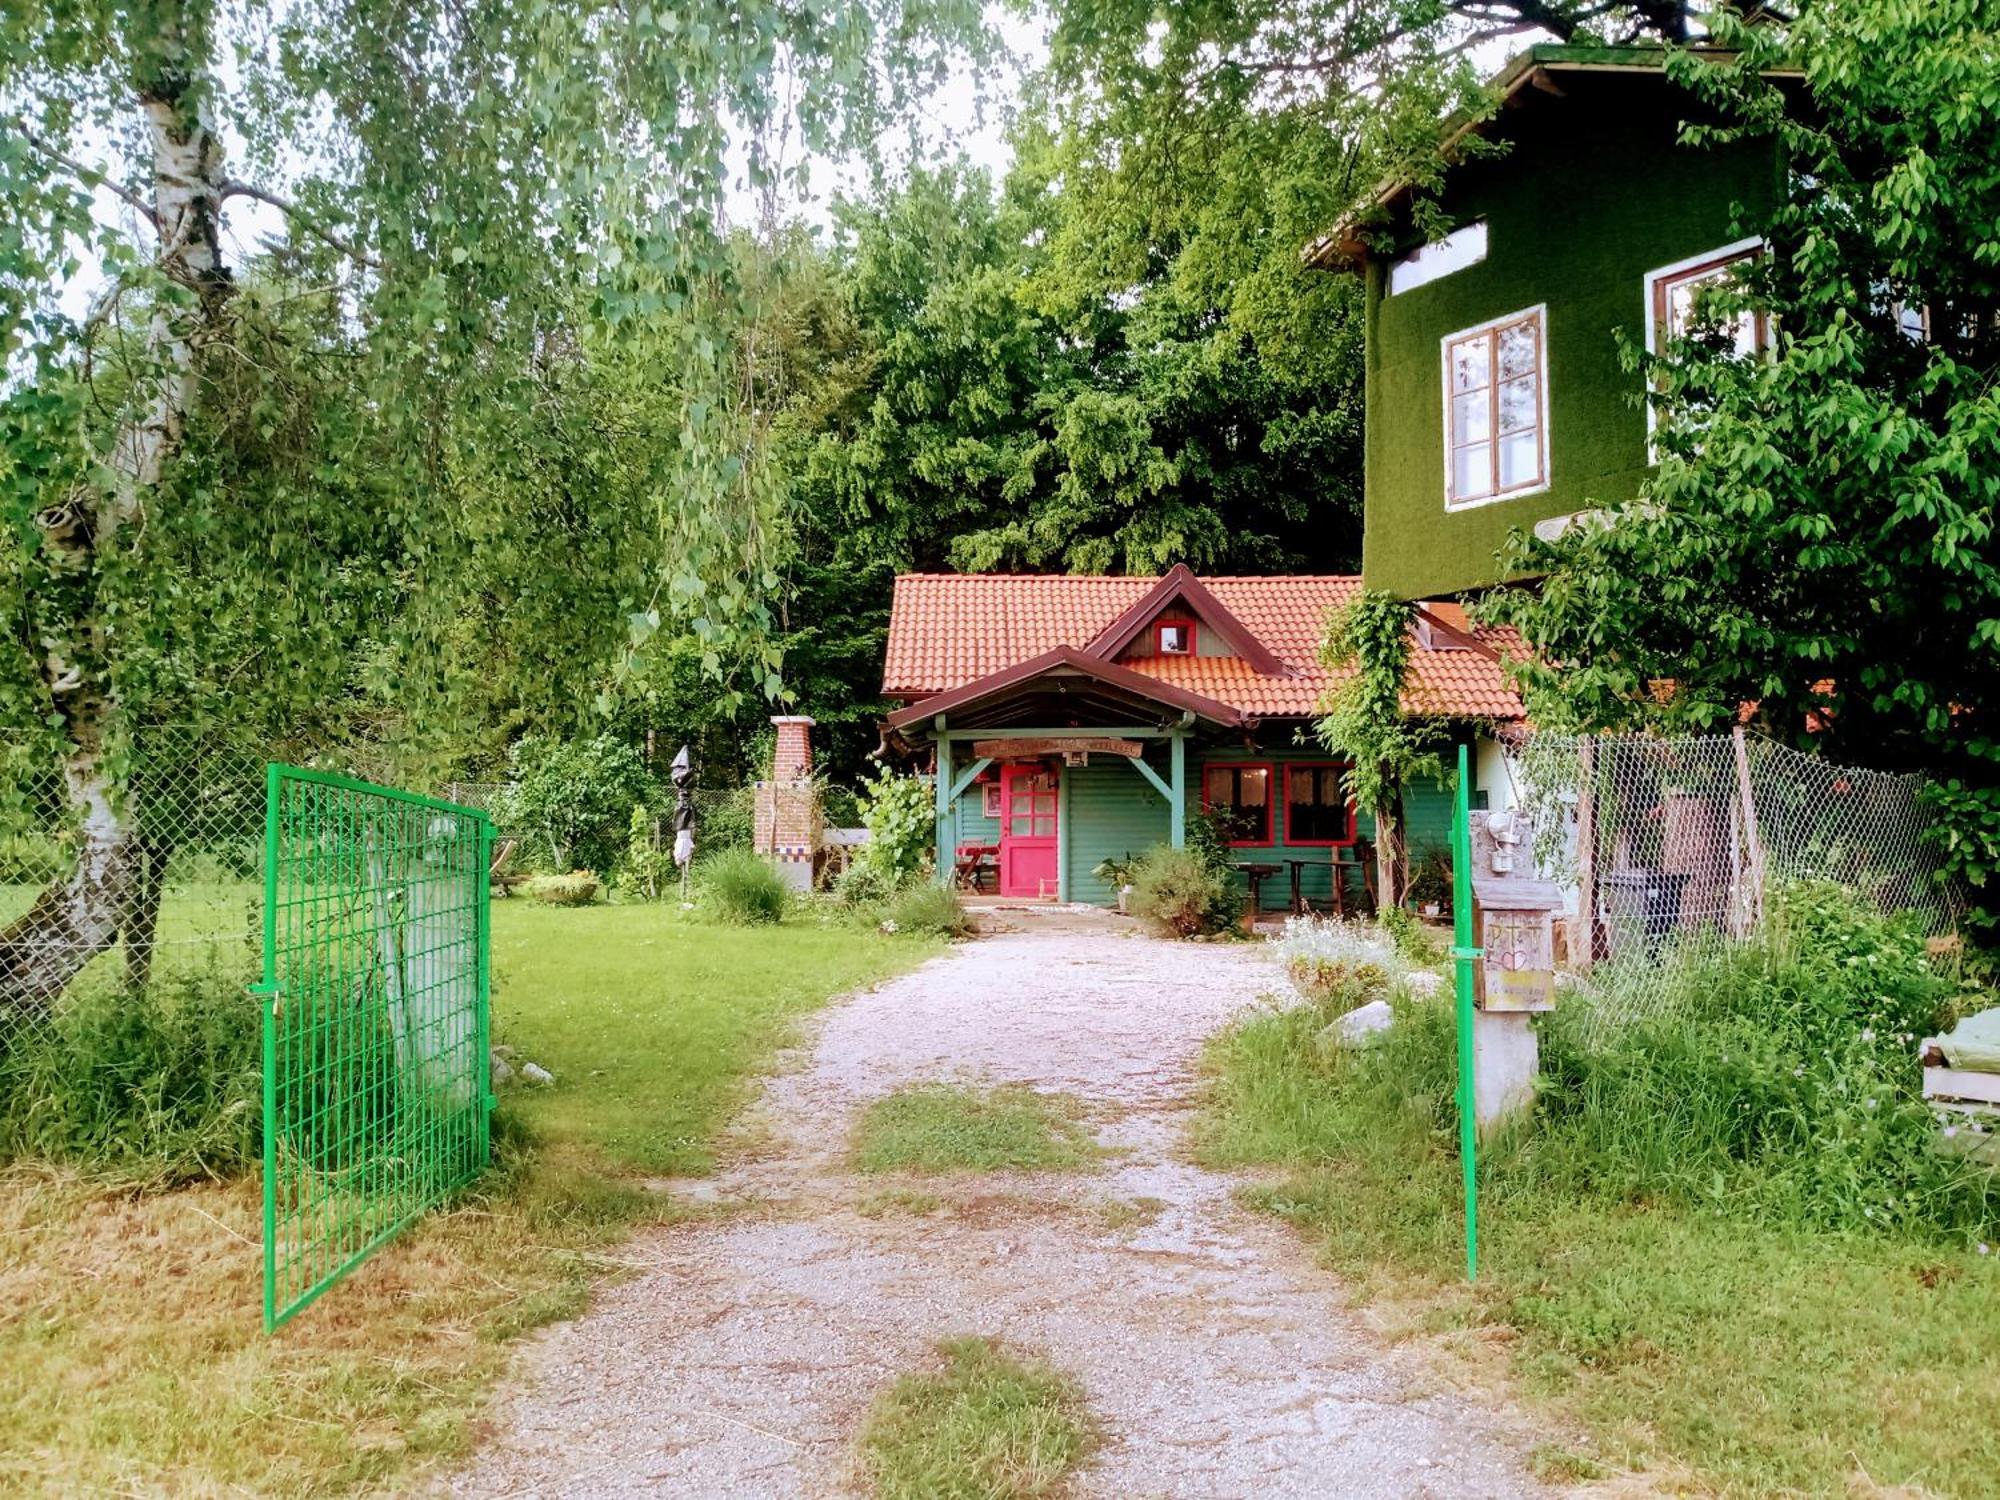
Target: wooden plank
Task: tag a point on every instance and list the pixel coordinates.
(1029, 749)
(1961, 1083)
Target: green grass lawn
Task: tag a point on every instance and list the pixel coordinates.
(1729, 1356)
(654, 1024)
(132, 1359)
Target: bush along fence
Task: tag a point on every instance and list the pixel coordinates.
(1665, 849)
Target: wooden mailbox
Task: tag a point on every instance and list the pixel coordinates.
(1514, 923)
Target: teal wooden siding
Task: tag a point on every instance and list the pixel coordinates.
(974, 827)
(1113, 811)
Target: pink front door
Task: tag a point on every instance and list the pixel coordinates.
(1027, 830)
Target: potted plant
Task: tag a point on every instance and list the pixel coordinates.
(1117, 873)
(1430, 886)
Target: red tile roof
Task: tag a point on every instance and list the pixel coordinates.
(948, 629)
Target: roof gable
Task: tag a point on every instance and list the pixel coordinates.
(1180, 589)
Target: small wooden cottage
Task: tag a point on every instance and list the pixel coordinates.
(1074, 720)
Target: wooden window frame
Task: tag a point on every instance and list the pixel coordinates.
(1490, 331)
(1160, 628)
(1353, 820)
(1661, 280)
(1271, 789)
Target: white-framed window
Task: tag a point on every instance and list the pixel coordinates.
(1457, 250)
(1496, 410)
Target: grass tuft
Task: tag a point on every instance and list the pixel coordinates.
(950, 1127)
(739, 886)
(990, 1425)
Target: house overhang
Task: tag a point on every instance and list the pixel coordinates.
(1180, 587)
(1065, 689)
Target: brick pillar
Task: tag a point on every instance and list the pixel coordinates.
(788, 804)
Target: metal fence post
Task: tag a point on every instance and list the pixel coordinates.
(1463, 954)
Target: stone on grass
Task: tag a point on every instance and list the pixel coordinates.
(536, 1074)
(1359, 1027)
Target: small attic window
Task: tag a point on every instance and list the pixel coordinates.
(1435, 621)
(1457, 250)
(1173, 637)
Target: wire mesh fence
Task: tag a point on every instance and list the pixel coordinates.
(161, 876)
(1669, 849)
(375, 973)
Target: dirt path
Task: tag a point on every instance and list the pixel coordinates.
(1219, 1360)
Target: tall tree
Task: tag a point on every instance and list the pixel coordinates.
(485, 188)
(1819, 537)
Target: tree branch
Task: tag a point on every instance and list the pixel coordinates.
(238, 189)
(91, 176)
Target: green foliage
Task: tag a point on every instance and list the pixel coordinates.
(1365, 721)
(1184, 892)
(1415, 943)
(157, 1086)
(989, 1426)
(1337, 965)
(1818, 537)
(647, 870)
(899, 813)
(949, 1127)
(574, 796)
(930, 909)
(740, 886)
(576, 888)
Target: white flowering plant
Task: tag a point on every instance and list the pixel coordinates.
(1338, 964)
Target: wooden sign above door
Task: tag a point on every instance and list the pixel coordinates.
(1065, 745)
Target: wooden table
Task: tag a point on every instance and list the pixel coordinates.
(1255, 873)
(976, 861)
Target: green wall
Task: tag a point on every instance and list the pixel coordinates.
(1113, 811)
(1594, 193)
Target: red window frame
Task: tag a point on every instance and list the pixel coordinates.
(1160, 627)
(1353, 823)
(1271, 784)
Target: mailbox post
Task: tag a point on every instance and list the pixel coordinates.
(1515, 979)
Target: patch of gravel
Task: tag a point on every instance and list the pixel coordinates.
(1219, 1360)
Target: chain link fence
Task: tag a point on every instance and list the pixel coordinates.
(166, 877)
(1668, 848)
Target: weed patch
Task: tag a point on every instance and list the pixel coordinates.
(943, 1127)
(990, 1425)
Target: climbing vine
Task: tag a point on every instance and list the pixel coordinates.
(1364, 721)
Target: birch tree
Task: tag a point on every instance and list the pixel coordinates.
(467, 192)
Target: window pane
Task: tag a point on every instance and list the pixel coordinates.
(1517, 348)
(1471, 472)
(1469, 366)
(1471, 417)
(1520, 460)
(1518, 402)
(1256, 787)
(1218, 786)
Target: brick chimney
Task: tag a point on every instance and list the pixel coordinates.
(787, 831)
(792, 760)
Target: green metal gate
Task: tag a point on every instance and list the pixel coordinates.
(375, 987)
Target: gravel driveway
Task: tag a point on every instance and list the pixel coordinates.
(1220, 1361)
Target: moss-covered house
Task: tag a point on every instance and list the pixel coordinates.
(1496, 393)
(1072, 720)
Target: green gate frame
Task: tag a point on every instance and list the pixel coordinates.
(376, 991)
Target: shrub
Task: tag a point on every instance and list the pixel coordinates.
(572, 795)
(740, 886)
(647, 870)
(160, 1085)
(1337, 965)
(726, 821)
(578, 888)
(864, 885)
(899, 813)
(1415, 943)
(1182, 892)
(925, 907)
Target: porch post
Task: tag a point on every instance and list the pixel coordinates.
(1062, 835)
(1177, 803)
(947, 812)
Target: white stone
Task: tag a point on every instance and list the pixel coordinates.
(536, 1074)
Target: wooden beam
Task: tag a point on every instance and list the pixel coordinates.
(1177, 796)
(1029, 749)
(947, 817)
(971, 775)
(1061, 731)
(1153, 776)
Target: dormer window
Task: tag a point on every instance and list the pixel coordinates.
(1173, 637)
